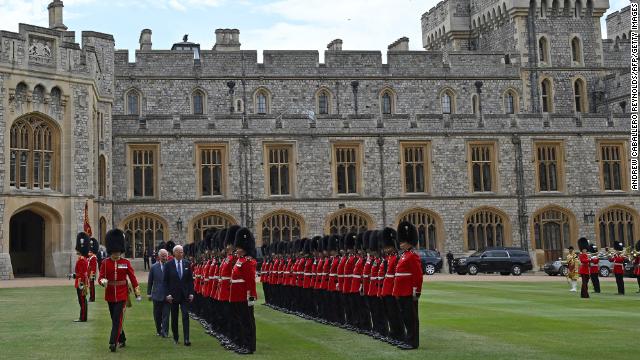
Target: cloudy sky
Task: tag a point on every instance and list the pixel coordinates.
(263, 24)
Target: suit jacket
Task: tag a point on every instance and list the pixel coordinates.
(179, 289)
(155, 285)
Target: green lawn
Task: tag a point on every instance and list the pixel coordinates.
(470, 320)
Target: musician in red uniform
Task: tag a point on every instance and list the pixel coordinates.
(114, 272)
(583, 270)
(618, 266)
(81, 274)
(407, 284)
(94, 246)
(594, 268)
(243, 293)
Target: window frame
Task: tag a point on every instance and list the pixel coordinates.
(140, 216)
(624, 163)
(324, 91)
(507, 240)
(516, 101)
(550, 97)
(256, 106)
(387, 91)
(584, 103)
(426, 145)
(224, 149)
(267, 146)
(579, 50)
(202, 94)
(102, 176)
(127, 105)
(544, 55)
(281, 213)
(560, 160)
(359, 146)
(452, 101)
(493, 148)
(131, 149)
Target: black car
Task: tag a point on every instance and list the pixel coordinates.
(492, 260)
(431, 261)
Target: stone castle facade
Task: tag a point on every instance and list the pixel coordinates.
(510, 128)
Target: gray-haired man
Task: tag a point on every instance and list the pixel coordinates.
(156, 291)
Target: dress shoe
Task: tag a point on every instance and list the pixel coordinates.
(242, 351)
(112, 347)
(176, 342)
(187, 343)
(122, 344)
(404, 346)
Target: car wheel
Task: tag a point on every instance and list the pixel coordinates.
(429, 269)
(504, 273)
(473, 269)
(516, 270)
(604, 271)
(564, 270)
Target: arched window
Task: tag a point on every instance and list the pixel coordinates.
(428, 225)
(486, 228)
(198, 102)
(617, 224)
(239, 106)
(133, 102)
(34, 159)
(348, 220)
(142, 231)
(576, 50)
(510, 102)
(281, 226)
(387, 104)
(474, 104)
(323, 98)
(102, 177)
(215, 220)
(262, 101)
(552, 232)
(102, 230)
(579, 96)
(447, 102)
(38, 94)
(543, 50)
(547, 96)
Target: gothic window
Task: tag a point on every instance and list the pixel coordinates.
(323, 99)
(447, 102)
(579, 95)
(427, 226)
(415, 165)
(547, 95)
(133, 102)
(549, 166)
(281, 226)
(144, 164)
(486, 228)
(347, 163)
(612, 165)
(279, 168)
(142, 231)
(34, 158)
(576, 50)
(510, 102)
(212, 168)
(102, 177)
(482, 166)
(262, 101)
(210, 220)
(543, 50)
(617, 224)
(348, 221)
(198, 99)
(474, 104)
(387, 104)
(552, 230)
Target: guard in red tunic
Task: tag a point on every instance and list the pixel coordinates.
(332, 287)
(407, 284)
(81, 274)
(618, 266)
(224, 288)
(594, 268)
(392, 311)
(94, 247)
(347, 275)
(243, 293)
(114, 272)
(583, 270)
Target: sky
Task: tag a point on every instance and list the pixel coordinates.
(263, 24)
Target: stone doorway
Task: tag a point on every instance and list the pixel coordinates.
(26, 244)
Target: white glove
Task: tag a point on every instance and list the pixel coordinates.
(252, 301)
(139, 298)
(103, 282)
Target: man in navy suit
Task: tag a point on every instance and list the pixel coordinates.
(178, 287)
(156, 292)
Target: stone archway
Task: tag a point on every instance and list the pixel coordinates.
(26, 243)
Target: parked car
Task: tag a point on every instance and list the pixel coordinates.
(559, 267)
(431, 261)
(496, 259)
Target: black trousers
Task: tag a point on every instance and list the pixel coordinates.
(595, 280)
(378, 315)
(620, 283)
(175, 308)
(92, 291)
(584, 291)
(638, 279)
(84, 309)
(116, 309)
(244, 325)
(396, 326)
(450, 263)
(409, 311)
(161, 310)
(146, 262)
(366, 313)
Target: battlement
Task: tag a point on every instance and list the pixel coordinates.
(619, 24)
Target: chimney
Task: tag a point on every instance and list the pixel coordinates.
(335, 45)
(145, 40)
(55, 15)
(401, 44)
(227, 40)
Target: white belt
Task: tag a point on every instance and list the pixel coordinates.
(216, 277)
(356, 276)
(308, 274)
(365, 276)
(234, 281)
(404, 274)
(225, 278)
(390, 275)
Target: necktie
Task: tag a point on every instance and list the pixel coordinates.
(180, 268)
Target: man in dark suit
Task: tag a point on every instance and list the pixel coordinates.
(156, 293)
(178, 286)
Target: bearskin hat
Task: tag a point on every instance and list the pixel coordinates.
(231, 235)
(365, 239)
(278, 247)
(315, 243)
(374, 240)
(638, 245)
(592, 248)
(82, 243)
(94, 245)
(209, 236)
(583, 244)
(358, 244)
(350, 241)
(306, 246)
(333, 243)
(115, 241)
(618, 246)
(325, 243)
(170, 246)
(389, 238)
(341, 242)
(244, 240)
(407, 233)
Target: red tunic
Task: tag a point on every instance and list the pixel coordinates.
(93, 267)
(636, 263)
(326, 273)
(264, 269)
(366, 275)
(408, 275)
(618, 264)
(307, 273)
(299, 271)
(341, 265)
(382, 272)
(243, 280)
(319, 278)
(225, 278)
(333, 274)
(348, 273)
(356, 277)
(373, 277)
(215, 291)
(82, 272)
(116, 273)
(389, 278)
(594, 268)
(213, 280)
